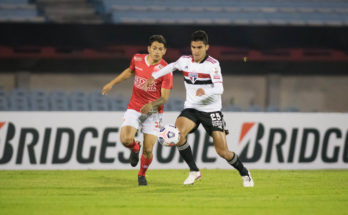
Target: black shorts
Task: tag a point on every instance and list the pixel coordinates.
(211, 121)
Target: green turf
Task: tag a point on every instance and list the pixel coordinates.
(219, 192)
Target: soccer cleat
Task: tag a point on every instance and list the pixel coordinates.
(248, 180)
(193, 176)
(134, 156)
(142, 180)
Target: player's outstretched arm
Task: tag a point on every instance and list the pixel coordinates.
(165, 70)
(127, 73)
(165, 93)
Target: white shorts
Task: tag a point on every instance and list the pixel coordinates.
(148, 124)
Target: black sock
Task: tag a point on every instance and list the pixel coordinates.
(186, 153)
(236, 163)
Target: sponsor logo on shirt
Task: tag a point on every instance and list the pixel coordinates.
(139, 68)
(137, 58)
(139, 83)
(216, 76)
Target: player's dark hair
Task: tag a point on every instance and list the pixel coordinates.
(200, 35)
(157, 38)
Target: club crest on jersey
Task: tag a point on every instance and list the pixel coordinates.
(193, 77)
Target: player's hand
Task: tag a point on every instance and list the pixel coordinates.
(106, 88)
(200, 92)
(148, 82)
(146, 108)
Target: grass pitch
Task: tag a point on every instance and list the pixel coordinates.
(219, 192)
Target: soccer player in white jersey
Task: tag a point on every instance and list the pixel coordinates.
(204, 87)
(150, 103)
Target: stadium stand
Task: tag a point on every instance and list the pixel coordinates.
(21, 99)
(19, 11)
(250, 12)
(69, 11)
(254, 108)
(232, 108)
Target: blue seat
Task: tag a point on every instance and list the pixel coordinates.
(177, 104)
(19, 92)
(273, 108)
(79, 101)
(59, 101)
(19, 103)
(98, 102)
(232, 108)
(4, 106)
(254, 108)
(19, 100)
(39, 101)
(118, 104)
(13, 1)
(3, 93)
(18, 13)
(291, 109)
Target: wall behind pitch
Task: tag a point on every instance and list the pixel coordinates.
(90, 140)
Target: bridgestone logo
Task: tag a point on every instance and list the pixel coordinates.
(76, 140)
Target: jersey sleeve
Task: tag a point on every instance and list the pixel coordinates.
(170, 68)
(167, 82)
(216, 78)
(215, 74)
(132, 64)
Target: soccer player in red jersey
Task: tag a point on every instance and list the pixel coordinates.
(150, 102)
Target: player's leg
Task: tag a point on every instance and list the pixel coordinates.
(146, 157)
(220, 143)
(129, 128)
(186, 123)
(150, 128)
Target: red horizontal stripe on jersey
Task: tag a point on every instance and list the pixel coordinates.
(200, 75)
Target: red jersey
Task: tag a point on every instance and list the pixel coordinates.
(143, 71)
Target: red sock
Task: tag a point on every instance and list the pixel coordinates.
(144, 164)
(134, 146)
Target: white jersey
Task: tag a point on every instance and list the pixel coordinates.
(205, 75)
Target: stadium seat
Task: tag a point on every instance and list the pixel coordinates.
(231, 108)
(273, 108)
(38, 101)
(174, 105)
(59, 101)
(98, 102)
(291, 109)
(79, 101)
(19, 103)
(269, 12)
(13, 1)
(118, 104)
(4, 106)
(3, 93)
(254, 108)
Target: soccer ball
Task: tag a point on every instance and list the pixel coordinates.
(169, 135)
